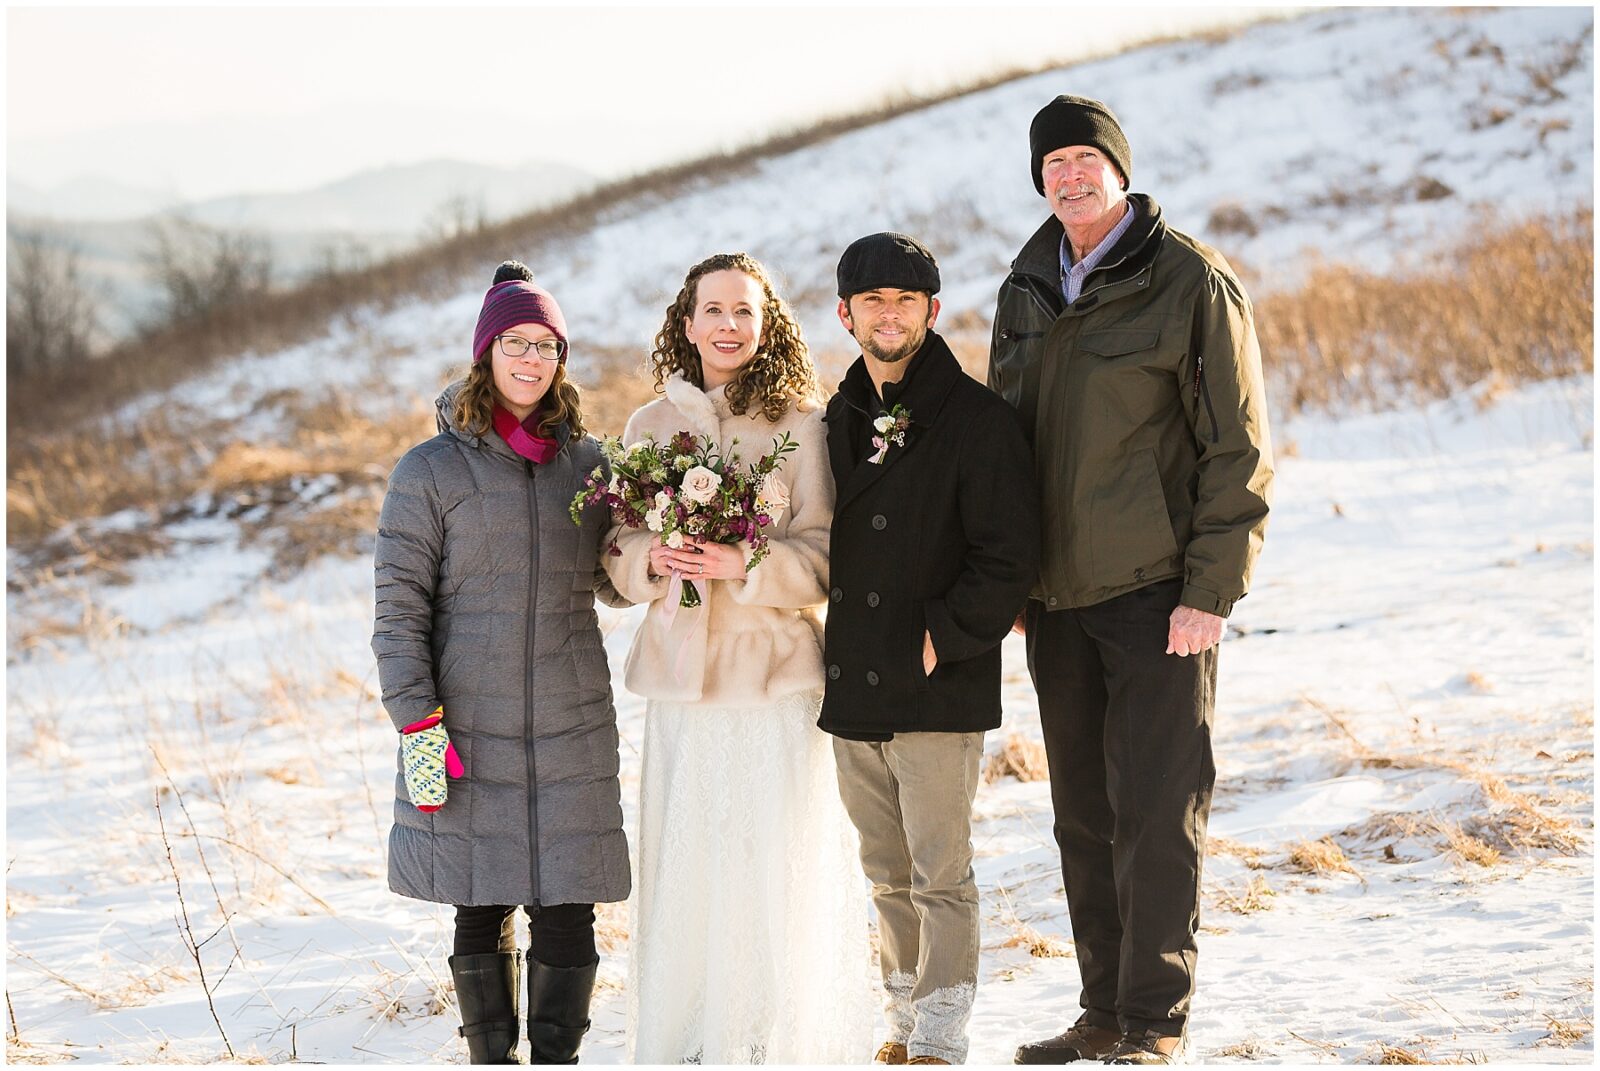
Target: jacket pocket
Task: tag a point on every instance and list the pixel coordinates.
(1118, 341)
(1132, 531)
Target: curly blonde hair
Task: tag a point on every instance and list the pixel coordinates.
(781, 371)
(473, 411)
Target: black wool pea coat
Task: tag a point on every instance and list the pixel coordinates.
(942, 536)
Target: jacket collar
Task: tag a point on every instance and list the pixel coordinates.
(936, 372)
(1040, 257)
(933, 371)
(696, 407)
(444, 418)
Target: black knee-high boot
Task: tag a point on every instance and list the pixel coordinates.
(488, 989)
(558, 1010)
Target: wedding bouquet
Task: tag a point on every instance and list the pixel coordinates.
(683, 490)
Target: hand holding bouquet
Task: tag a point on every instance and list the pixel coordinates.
(683, 490)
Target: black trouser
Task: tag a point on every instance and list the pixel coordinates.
(562, 935)
(1127, 730)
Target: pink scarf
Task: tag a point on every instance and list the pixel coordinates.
(522, 435)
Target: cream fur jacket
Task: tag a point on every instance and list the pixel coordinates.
(755, 640)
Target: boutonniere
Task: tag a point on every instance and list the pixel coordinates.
(891, 428)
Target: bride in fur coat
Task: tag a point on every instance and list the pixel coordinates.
(749, 913)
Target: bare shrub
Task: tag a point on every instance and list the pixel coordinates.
(1232, 218)
(202, 269)
(1020, 757)
(457, 215)
(50, 320)
(1427, 188)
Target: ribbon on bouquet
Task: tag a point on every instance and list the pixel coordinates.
(678, 637)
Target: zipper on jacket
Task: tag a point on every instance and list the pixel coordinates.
(1204, 391)
(527, 704)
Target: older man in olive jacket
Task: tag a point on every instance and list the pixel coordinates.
(934, 544)
(1129, 350)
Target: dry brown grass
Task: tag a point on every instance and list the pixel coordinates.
(1321, 857)
(1565, 1032)
(1517, 822)
(1465, 846)
(1248, 1049)
(1250, 857)
(1020, 757)
(1394, 1054)
(312, 490)
(1040, 945)
(1514, 304)
(1255, 896)
(55, 478)
(611, 927)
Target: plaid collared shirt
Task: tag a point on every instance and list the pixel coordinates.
(1073, 275)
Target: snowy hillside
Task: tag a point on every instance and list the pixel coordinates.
(1354, 135)
(199, 779)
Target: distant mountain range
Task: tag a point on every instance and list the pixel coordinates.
(408, 199)
(368, 215)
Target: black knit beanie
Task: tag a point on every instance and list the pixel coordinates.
(887, 259)
(1069, 120)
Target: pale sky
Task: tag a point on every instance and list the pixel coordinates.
(206, 101)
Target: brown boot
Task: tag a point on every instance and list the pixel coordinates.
(1080, 1041)
(891, 1052)
(1143, 1047)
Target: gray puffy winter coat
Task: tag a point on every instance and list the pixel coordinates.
(485, 603)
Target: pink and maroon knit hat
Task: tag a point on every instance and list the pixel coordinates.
(511, 303)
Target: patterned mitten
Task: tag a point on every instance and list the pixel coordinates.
(428, 756)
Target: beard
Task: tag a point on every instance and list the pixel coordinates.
(878, 352)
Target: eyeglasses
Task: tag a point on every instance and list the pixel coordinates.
(551, 349)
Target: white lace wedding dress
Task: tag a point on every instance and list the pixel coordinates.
(749, 915)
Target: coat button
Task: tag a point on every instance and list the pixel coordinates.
(833, 673)
(879, 521)
(1052, 602)
(836, 595)
(872, 598)
(872, 678)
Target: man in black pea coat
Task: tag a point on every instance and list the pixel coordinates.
(935, 544)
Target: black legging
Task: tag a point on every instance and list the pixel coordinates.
(562, 934)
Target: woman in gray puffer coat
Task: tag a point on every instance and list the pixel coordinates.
(492, 667)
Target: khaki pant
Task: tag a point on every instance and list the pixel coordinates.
(911, 800)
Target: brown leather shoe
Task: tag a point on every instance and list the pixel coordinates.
(1143, 1047)
(927, 1060)
(1080, 1041)
(890, 1052)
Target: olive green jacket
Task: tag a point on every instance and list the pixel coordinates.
(1143, 403)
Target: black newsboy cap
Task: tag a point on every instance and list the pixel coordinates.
(887, 259)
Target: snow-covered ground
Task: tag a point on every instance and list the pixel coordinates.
(1416, 656)
(1412, 676)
